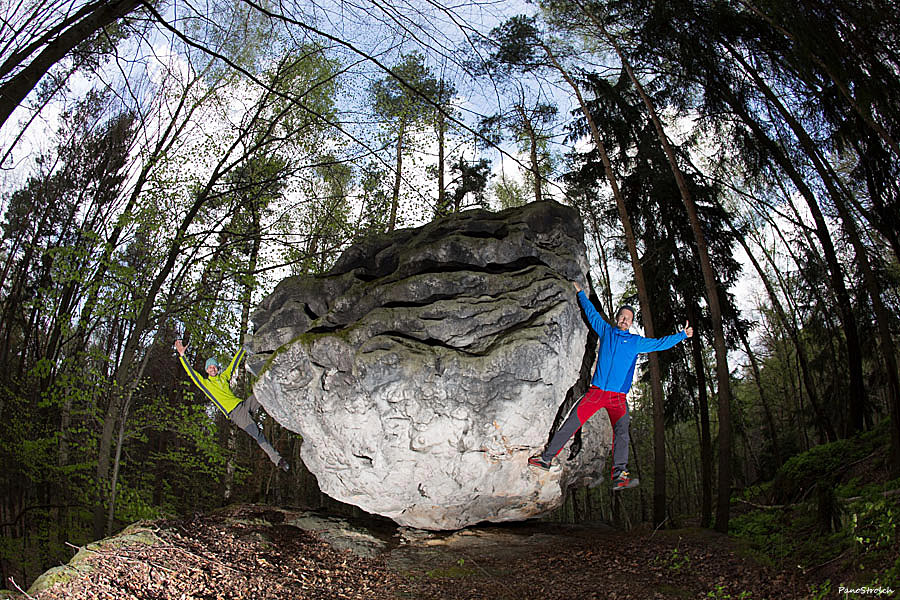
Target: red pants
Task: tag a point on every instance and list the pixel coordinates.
(595, 399)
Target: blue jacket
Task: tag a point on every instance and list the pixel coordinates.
(619, 349)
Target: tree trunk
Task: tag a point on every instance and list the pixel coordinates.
(764, 402)
(845, 313)
(231, 446)
(442, 193)
(532, 152)
(14, 91)
(706, 453)
(659, 430)
(712, 292)
(62, 461)
(113, 488)
(398, 177)
(821, 419)
(14, 297)
(856, 392)
(605, 294)
(885, 338)
(113, 414)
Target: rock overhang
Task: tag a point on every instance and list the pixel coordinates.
(425, 367)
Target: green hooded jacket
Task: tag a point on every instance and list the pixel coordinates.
(217, 388)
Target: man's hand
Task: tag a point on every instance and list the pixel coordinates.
(688, 330)
(577, 287)
(179, 347)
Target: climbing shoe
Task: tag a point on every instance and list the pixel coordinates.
(623, 480)
(283, 465)
(540, 463)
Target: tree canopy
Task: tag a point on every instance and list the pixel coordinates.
(163, 165)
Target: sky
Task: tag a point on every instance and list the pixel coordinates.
(384, 32)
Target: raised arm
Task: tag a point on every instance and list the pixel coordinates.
(234, 363)
(180, 348)
(598, 323)
(196, 378)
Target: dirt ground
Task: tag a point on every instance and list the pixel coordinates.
(257, 552)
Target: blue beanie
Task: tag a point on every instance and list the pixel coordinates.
(213, 362)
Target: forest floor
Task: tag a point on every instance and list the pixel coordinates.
(257, 552)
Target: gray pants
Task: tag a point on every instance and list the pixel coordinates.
(242, 416)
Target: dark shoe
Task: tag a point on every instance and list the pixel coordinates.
(624, 480)
(283, 465)
(540, 463)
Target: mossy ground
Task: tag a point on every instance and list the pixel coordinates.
(834, 512)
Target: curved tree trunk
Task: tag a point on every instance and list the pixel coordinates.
(857, 392)
(99, 15)
(885, 338)
(659, 431)
(712, 293)
(802, 358)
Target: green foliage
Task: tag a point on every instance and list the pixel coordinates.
(470, 178)
(825, 462)
(874, 522)
(819, 460)
(509, 193)
(134, 504)
(720, 593)
(865, 539)
(676, 561)
(891, 577)
(821, 591)
(764, 530)
(255, 176)
(193, 463)
(403, 96)
(515, 45)
(376, 199)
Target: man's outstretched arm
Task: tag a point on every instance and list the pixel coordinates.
(598, 323)
(196, 378)
(666, 342)
(234, 363)
(180, 348)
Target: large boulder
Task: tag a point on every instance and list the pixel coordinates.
(426, 367)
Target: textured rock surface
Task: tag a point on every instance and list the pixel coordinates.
(428, 365)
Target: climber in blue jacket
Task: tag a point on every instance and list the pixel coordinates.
(616, 359)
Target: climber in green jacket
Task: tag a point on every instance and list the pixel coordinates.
(214, 384)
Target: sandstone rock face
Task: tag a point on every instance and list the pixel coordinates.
(429, 364)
